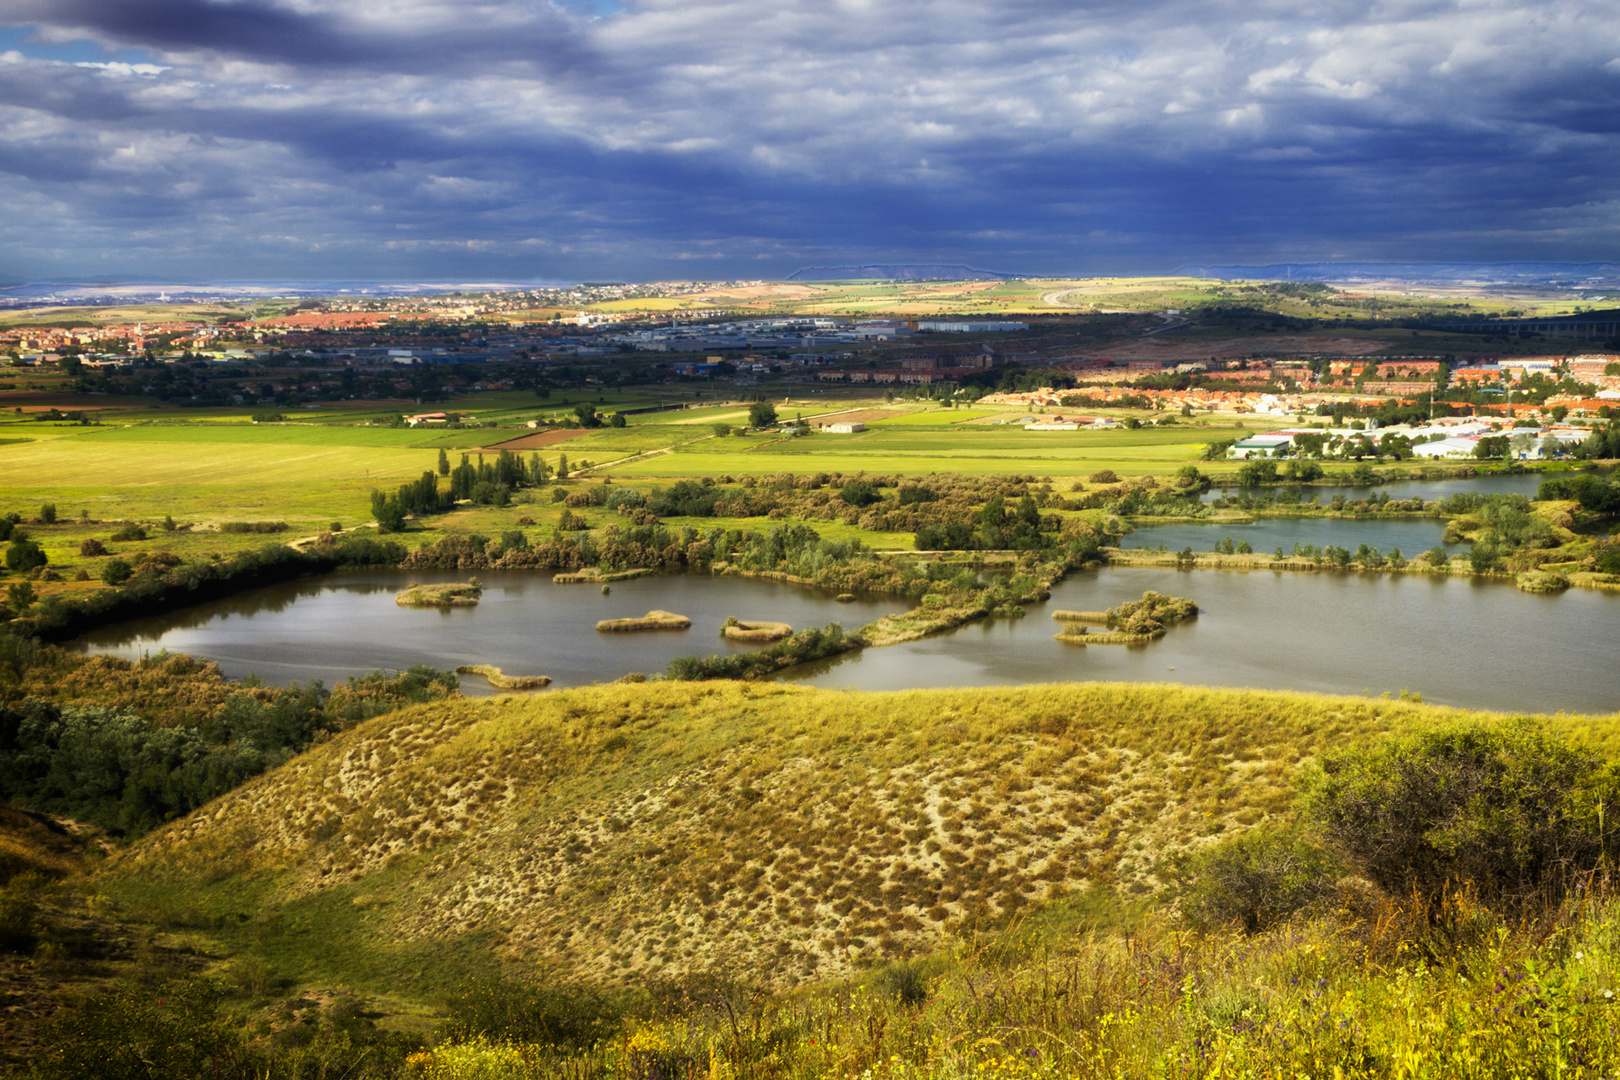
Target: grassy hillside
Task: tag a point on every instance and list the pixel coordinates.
(621, 832)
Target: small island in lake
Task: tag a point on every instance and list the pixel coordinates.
(737, 629)
(451, 594)
(502, 681)
(653, 620)
(1133, 622)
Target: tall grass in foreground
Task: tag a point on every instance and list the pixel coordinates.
(1389, 995)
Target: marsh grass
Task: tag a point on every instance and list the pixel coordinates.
(450, 594)
(743, 630)
(502, 681)
(653, 620)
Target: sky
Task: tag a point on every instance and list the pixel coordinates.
(719, 139)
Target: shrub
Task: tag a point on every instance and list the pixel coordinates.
(116, 571)
(1104, 476)
(905, 982)
(23, 554)
(1513, 812)
(47, 513)
(1253, 880)
(92, 548)
(554, 1014)
(859, 493)
(250, 527)
(130, 531)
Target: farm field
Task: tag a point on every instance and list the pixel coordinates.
(311, 472)
(914, 449)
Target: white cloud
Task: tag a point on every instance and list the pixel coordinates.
(703, 119)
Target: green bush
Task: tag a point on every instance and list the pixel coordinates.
(552, 1014)
(116, 571)
(23, 554)
(1510, 811)
(1253, 880)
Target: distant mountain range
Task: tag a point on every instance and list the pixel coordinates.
(899, 272)
(1550, 274)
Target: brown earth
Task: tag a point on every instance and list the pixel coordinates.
(531, 442)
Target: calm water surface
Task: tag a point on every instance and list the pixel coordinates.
(1512, 484)
(1462, 642)
(1266, 535)
(335, 627)
(1455, 641)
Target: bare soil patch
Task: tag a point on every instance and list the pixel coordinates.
(532, 442)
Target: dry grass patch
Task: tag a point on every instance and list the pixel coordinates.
(502, 681)
(623, 830)
(743, 630)
(450, 594)
(653, 620)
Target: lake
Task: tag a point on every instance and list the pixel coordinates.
(347, 624)
(1497, 484)
(1459, 641)
(1266, 535)
(1480, 644)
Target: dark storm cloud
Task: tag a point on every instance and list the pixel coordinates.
(322, 37)
(747, 138)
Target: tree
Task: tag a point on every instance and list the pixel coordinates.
(23, 554)
(47, 513)
(587, 415)
(617, 420)
(444, 462)
(20, 596)
(115, 572)
(1253, 880)
(1558, 413)
(721, 430)
(1491, 446)
(761, 414)
(859, 493)
(562, 466)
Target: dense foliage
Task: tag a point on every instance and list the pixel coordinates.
(161, 582)
(1508, 811)
(113, 768)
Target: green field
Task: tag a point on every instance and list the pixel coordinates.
(914, 450)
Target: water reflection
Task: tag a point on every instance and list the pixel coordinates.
(1265, 535)
(1461, 641)
(1495, 484)
(348, 624)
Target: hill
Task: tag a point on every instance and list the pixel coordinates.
(898, 272)
(617, 833)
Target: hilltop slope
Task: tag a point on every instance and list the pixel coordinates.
(616, 832)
